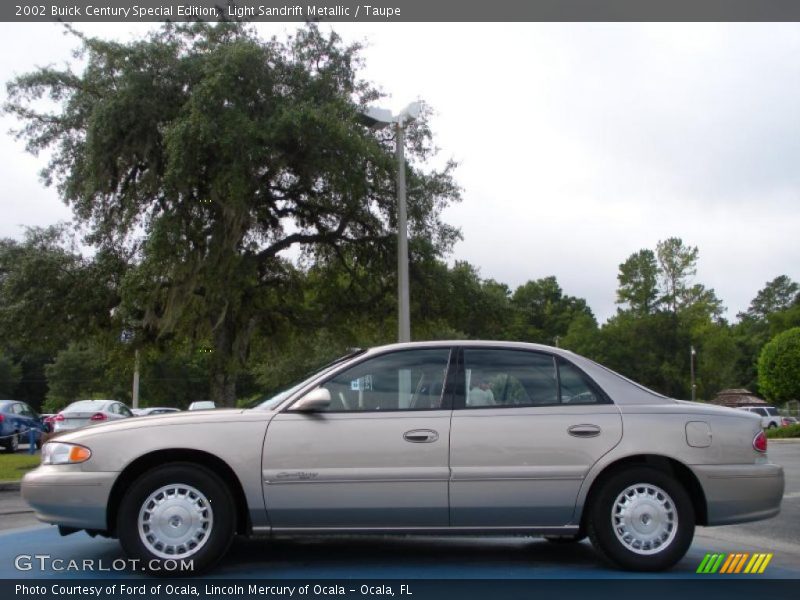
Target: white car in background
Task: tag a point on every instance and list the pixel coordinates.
(769, 415)
(90, 412)
(202, 405)
(154, 410)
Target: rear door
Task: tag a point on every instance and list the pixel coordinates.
(376, 458)
(526, 429)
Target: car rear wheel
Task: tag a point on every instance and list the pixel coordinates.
(642, 520)
(12, 443)
(178, 512)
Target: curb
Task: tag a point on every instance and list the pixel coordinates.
(784, 440)
(9, 486)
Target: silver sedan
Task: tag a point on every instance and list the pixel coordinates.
(89, 412)
(441, 438)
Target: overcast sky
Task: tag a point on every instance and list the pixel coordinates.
(578, 144)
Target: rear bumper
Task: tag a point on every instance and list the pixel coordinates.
(740, 493)
(64, 496)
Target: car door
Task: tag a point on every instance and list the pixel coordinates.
(526, 429)
(375, 458)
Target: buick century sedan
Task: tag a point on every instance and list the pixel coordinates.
(442, 438)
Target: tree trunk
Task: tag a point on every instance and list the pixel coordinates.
(223, 389)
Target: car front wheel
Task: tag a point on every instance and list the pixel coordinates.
(178, 512)
(642, 520)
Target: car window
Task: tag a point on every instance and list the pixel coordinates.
(124, 410)
(762, 411)
(498, 378)
(26, 410)
(16, 408)
(772, 411)
(403, 380)
(575, 388)
(509, 378)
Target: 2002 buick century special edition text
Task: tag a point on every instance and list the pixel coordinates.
(437, 437)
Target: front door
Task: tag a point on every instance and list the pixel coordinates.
(376, 458)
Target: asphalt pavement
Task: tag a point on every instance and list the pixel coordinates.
(417, 557)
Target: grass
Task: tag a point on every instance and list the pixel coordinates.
(14, 466)
(792, 431)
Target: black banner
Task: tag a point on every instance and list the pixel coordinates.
(278, 589)
(401, 10)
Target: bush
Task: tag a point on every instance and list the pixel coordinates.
(792, 431)
(779, 367)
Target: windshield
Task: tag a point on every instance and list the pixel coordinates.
(274, 400)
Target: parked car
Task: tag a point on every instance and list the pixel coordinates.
(90, 412)
(16, 421)
(769, 415)
(202, 405)
(153, 410)
(398, 439)
(789, 421)
(48, 420)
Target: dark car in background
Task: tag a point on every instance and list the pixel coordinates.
(17, 419)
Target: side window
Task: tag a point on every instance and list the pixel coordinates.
(16, 409)
(26, 411)
(404, 380)
(123, 410)
(509, 378)
(575, 388)
(113, 409)
(762, 412)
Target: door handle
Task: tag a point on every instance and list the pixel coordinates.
(421, 436)
(584, 431)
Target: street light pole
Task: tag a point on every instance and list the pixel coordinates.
(691, 366)
(378, 118)
(403, 303)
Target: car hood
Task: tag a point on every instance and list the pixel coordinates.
(204, 417)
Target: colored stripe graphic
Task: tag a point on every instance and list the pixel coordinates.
(734, 563)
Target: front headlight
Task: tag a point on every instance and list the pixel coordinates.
(60, 453)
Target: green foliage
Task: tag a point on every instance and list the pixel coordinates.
(777, 295)
(10, 375)
(204, 153)
(638, 282)
(543, 313)
(78, 372)
(50, 294)
(779, 367)
(792, 431)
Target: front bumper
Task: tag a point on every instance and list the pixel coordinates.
(65, 495)
(741, 493)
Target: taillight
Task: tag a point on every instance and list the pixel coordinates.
(58, 417)
(98, 417)
(2, 418)
(760, 442)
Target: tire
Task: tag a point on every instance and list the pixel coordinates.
(12, 445)
(772, 425)
(662, 531)
(187, 497)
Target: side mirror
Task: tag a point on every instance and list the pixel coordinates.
(315, 400)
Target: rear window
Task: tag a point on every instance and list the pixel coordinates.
(85, 405)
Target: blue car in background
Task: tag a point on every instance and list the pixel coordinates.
(16, 420)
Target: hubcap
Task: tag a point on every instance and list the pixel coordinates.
(644, 518)
(175, 521)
